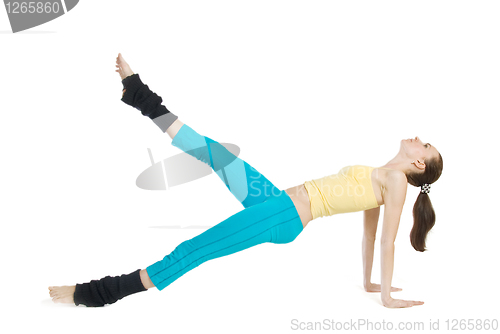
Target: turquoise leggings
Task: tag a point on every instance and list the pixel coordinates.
(269, 214)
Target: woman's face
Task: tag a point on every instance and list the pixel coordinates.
(415, 149)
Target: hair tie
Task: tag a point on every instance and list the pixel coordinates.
(425, 188)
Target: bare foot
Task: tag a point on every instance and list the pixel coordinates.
(122, 67)
(62, 294)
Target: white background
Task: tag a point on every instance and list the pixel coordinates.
(304, 88)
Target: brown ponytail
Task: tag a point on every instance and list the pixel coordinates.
(424, 216)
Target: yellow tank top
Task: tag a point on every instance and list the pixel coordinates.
(350, 190)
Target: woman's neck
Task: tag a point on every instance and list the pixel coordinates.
(399, 163)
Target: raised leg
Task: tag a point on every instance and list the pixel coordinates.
(246, 183)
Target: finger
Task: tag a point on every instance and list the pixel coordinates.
(414, 303)
(405, 303)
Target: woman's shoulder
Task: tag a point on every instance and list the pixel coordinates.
(391, 176)
(388, 179)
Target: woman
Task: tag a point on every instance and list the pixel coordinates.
(273, 215)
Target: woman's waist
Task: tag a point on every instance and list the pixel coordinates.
(300, 199)
(327, 199)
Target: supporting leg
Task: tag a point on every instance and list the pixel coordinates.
(275, 220)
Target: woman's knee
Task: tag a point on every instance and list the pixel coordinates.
(287, 232)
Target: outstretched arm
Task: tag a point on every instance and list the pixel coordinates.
(394, 200)
(370, 221)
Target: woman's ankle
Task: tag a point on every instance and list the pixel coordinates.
(146, 281)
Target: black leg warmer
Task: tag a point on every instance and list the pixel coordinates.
(108, 290)
(139, 96)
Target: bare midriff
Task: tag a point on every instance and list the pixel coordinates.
(300, 199)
